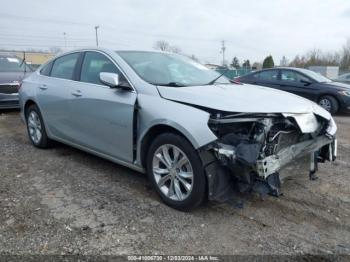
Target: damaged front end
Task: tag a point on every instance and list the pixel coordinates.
(252, 149)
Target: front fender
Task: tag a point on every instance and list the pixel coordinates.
(188, 120)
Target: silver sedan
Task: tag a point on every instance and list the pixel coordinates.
(193, 131)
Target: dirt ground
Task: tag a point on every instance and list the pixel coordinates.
(64, 201)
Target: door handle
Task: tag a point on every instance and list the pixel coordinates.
(43, 87)
(77, 93)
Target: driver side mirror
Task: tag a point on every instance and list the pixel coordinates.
(110, 79)
(305, 82)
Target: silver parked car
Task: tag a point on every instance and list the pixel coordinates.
(193, 131)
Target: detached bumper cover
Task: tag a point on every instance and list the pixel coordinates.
(253, 161)
(272, 164)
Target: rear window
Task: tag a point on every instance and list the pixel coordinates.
(269, 75)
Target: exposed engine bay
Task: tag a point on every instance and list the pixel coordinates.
(252, 148)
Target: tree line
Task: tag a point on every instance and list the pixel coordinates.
(166, 47)
(339, 58)
(315, 57)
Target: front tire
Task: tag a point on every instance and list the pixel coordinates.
(36, 128)
(175, 171)
(329, 103)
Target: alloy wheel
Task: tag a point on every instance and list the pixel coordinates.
(326, 104)
(173, 172)
(34, 127)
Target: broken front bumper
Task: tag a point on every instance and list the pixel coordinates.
(274, 163)
(223, 170)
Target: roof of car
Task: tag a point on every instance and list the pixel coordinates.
(285, 67)
(301, 70)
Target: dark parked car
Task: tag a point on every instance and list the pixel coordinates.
(332, 96)
(12, 71)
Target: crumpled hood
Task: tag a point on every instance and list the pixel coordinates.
(242, 98)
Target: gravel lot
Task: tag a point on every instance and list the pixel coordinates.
(64, 201)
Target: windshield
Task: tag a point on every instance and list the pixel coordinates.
(170, 69)
(316, 76)
(12, 64)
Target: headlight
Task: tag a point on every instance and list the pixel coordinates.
(345, 93)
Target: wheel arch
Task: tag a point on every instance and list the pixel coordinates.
(154, 131)
(27, 104)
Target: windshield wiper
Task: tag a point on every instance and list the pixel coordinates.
(174, 84)
(216, 78)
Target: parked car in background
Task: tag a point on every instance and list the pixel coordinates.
(12, 72)
(332, 96)
(193, 132)
(345, 78)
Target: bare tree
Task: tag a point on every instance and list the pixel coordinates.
(345, 57)
(166, 47)
(162, 46)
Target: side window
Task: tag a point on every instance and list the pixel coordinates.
(64, 66)
(292, 76)
(268, 75)
(46, 69)
(94, 63)
(256, 75)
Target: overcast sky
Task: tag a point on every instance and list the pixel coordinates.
(252, 29)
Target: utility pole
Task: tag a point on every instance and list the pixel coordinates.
(65, 40)
(96, 27)
(223, 49)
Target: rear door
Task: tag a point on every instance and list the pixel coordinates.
(297, 83)
(269, 78)
(102, 117)
(54, 91)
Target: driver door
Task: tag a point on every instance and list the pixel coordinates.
(294, 82)
(102, 117)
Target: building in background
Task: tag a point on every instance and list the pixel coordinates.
(327, 71)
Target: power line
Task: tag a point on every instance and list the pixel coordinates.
(38, 19)
(5, 35)
(105, 26)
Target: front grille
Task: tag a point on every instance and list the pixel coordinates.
(8, 88)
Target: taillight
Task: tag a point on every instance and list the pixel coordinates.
(235, 81)
(19, 86)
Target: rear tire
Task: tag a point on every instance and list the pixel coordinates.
(175, 171)
(36, 128)
(329, 103)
